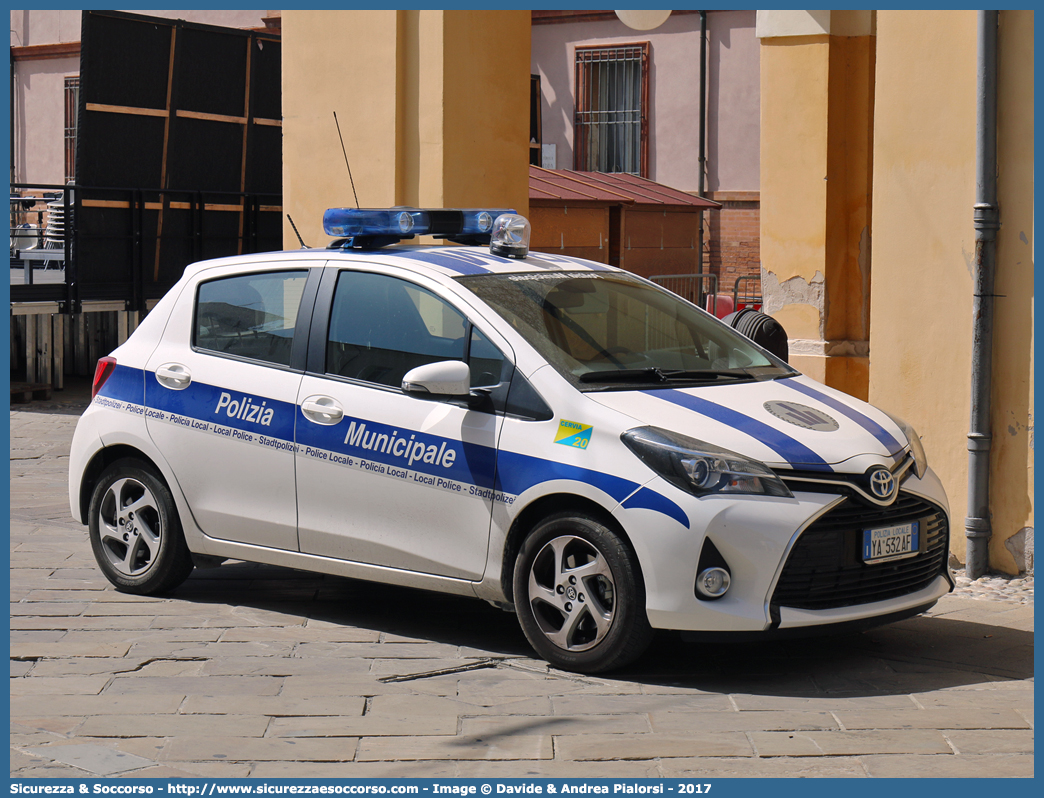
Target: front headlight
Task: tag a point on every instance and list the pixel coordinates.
(916, 449)
(701, 468)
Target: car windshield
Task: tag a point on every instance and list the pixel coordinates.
(613, 331)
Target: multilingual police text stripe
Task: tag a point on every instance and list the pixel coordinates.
(794, 452)
(234, 409)
(450, 459)
(862, 420)
(470, 463)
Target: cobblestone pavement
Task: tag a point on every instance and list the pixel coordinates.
(258, 671)
(995, 587)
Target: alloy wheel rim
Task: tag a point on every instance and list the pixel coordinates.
(572, 593)
(130, 526)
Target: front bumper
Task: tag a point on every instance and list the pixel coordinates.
(794, 563)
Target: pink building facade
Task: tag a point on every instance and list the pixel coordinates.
(671, 110)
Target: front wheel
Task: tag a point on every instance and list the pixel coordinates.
(579, 595)
(135, 530)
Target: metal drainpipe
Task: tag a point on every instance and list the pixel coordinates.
(14, 86)
(987, 221)
(703, 134)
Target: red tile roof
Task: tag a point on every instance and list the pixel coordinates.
(564, 184)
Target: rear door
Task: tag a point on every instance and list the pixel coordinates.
(220, 392)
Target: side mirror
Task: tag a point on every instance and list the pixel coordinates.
(441, 380)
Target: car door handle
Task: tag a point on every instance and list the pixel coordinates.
(174, 376)
(321, 410)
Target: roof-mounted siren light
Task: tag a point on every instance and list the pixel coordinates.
(510, 236)
(367, 228)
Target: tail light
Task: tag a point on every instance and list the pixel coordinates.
(102, 372)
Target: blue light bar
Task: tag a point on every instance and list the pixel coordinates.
(409, 222)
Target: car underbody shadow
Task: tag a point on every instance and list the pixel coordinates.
(926, 652)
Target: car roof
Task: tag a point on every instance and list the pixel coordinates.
(441, 261)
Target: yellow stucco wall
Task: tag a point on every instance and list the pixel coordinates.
(794, 94)
(1011, 489)
(816, 119)
(924, 245)
(322, 74)
(487, 75)
(433, 107)
(849, 175)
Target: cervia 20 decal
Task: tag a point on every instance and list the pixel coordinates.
(571, 433)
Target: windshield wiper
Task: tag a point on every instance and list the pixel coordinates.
(654, 374)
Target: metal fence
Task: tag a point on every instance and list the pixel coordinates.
(39, 240)
(71, 244)
(747, 292)
(696, 288)
(702, 290)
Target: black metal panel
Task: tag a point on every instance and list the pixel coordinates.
(119, 150)
(212, 71)
(178, 247)
(270, 231)
(208, 156)
(127, 58)
(173, 131)
(266, 148)
(266, 58)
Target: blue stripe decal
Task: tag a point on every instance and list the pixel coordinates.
(458, 262)
(434, 455)
(792, 451)
(863, 421)
(242, 411)
(651, 500)
(517, 473)
(562, 260)
(125, 384)
(200, 405)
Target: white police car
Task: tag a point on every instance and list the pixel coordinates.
(530, 429)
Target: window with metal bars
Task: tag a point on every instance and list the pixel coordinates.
(72, 104)
(610, 126)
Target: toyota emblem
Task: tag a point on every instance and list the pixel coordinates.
(882, 483)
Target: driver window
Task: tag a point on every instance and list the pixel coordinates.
(381, 327)
(488, 366)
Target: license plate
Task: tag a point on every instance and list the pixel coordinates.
(890, 542)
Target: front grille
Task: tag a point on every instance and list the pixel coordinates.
(825, 570)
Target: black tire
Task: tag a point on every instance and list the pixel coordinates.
(579, 595)
(135, 530)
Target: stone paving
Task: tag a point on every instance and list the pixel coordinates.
(995, 587)
(259, 671)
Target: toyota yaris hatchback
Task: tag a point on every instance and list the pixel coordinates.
(542, 432)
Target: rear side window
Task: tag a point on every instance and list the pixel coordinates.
(251, 316)
(381, 327)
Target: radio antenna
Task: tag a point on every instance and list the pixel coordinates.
(303, 244)
(346, 158)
